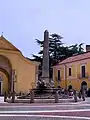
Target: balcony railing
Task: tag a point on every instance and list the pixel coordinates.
(58, 79)
(80, 76)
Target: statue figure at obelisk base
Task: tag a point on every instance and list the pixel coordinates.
(45, 64)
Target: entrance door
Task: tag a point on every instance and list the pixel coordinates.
(84, 85)
(3, 83)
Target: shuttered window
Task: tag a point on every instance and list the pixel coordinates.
(70, 72)
(58, 74)
(83, 71)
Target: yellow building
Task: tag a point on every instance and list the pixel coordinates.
(73, 71)
(15, 67)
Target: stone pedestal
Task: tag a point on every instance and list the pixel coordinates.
(32, 96)
(75, 96)
(56, 97)
(83, 95)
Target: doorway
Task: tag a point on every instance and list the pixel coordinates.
(84, 85)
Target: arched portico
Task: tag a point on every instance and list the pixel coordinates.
(5, 74)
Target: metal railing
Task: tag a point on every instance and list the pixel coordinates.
(80, 76)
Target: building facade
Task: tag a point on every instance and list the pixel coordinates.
(73, 71)
(16, 71)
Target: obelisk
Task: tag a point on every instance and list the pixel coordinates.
(45, 64)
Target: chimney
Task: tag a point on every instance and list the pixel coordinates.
(87, 48)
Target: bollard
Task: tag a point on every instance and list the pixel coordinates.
(32, 96)
(56, 97)
(13, 97)
(83, 95)
(5, 96)
(79, 95)
(75, 95)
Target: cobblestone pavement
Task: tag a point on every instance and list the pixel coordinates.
(14, 117)
(59, 111)
(43, 107)
(37, 118)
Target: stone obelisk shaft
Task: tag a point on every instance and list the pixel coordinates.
(45, 65)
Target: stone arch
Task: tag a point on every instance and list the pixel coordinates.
(5, 64)
(84, 83)
(6, 68)
(4, 71)
(70, 87)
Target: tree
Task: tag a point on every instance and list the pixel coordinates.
(54, 46)
(57, 50)
(75, 49)
(81, 49)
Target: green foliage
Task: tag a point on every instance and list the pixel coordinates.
(57, 50)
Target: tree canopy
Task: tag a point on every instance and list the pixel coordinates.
(57, 50)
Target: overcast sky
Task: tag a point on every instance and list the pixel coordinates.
(21, 21)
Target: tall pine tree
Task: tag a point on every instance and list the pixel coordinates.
(57, 51)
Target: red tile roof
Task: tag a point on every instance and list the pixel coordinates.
(75, 58)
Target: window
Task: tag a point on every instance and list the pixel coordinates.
(51, 73)
(69, 71)
(83, 71)
(58, 74)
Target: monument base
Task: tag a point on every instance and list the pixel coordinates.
(44, 86)
(46, 81)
